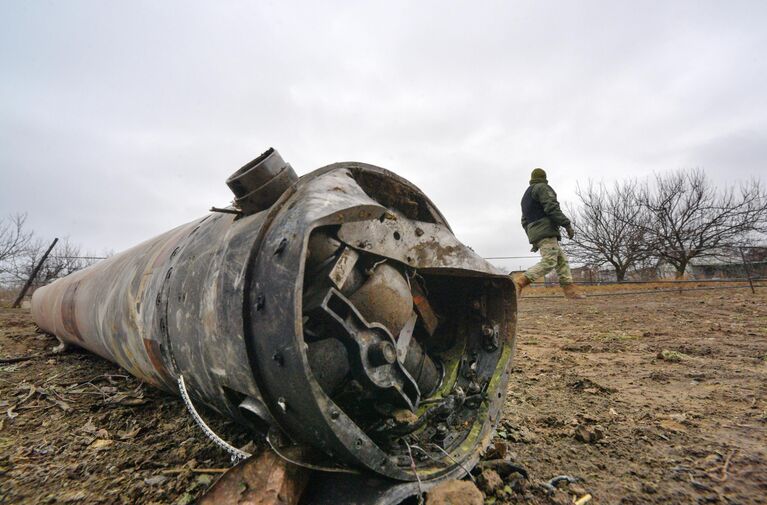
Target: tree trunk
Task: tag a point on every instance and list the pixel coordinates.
(680, 268)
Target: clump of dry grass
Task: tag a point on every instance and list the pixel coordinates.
(672, 356)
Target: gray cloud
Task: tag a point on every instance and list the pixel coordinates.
(121, 120)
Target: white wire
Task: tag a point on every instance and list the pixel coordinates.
(236, 454)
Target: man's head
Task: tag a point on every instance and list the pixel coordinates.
(538, 175)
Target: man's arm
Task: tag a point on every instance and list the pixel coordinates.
(546, 196)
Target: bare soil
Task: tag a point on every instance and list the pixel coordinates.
(650, 398)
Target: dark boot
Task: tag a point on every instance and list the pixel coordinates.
(572, 293)
(520, 282)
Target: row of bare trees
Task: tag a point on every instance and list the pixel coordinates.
(21, 250)
(673, 218)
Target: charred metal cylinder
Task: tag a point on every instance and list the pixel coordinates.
(259, 184)
(338, 309)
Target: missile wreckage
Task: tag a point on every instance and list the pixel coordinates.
(335, 311)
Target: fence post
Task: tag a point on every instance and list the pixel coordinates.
(747, 266)
(32, 276)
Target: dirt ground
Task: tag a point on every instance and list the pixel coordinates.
(652, 399)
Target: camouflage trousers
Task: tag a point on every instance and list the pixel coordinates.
(552, 257)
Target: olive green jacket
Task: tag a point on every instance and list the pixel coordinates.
(555, 218)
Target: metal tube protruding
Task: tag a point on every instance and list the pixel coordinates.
(258, 184)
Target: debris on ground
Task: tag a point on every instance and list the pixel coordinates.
(455, 492)
(264, 479)
(672, 356)
(489, 481)
(588, 434)
(552, 484)
(503, 467)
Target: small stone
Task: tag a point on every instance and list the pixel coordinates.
(490, 481)
(455, 492)
(588, 434)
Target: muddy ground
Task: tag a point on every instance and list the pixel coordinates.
(648, 399)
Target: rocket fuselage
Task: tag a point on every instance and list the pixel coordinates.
(227, 302)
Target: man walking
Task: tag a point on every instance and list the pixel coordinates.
(541, 219)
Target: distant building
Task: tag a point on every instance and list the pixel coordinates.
(584, 274)
(726, 265)
(713, 268)
(593, 274)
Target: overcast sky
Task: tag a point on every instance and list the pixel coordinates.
(120, 120)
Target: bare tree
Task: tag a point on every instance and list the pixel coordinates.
(65, 258)
(14, 240)
(20, 251)
(608, 227)
(688, 217)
